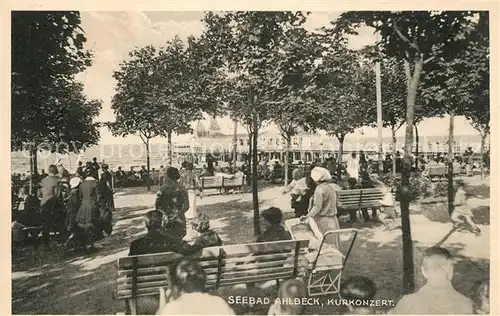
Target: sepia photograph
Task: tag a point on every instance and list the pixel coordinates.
(250, 162)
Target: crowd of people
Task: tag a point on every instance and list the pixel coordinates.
(77, 209)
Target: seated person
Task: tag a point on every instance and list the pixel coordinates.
(287, 293)
(437, 296)
(156, 242)
(481, 298)
(358, 288)
(189, 297)
(352, 184)
(271, 219)
(207, 237)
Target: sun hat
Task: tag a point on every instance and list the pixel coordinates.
(320, 174)
(74, 182)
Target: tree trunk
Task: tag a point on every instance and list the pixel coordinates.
(451, 191)
(31, 171)
(412, 85)
(287, 153)
(416, 148)
(393, 131)
(34, 174)
(148, 160)
(169, 149)
(249, 158)
(235, 144)
(255, 192)
(483, 140)
(341, 153)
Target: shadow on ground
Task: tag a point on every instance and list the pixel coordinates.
(50, 283)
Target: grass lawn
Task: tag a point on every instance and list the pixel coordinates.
(47, 282)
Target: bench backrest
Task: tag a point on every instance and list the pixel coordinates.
(235, 182)
(359, 198)
(210, 182)
(232, 264)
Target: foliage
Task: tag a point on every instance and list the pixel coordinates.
(248, 47)
(420, 186)
(343, 94)
(416, 38)
(156, 94)
(48, 105)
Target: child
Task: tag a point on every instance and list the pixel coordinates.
(481, 298)
(207, 237)
(462, 213)
(388, 210)
(358, 288)
(288, 292)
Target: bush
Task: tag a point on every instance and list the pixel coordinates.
(420, 186)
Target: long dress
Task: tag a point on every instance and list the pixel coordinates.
(189, 181)
(88, 213)
(107, 204)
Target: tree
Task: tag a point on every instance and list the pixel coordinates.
(296, 66)
(416, 38)
(245, 45)
(141, 105)
(47, 104)
(342, 95)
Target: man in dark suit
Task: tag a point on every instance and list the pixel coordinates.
(156, 242)
(173, 201)
(49, 203)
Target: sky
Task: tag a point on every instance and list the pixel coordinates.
(112, 35)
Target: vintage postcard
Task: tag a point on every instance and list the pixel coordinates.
(253, 159)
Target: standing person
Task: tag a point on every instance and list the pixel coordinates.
(173, 201)
(324, 204)
(353, 167)
(210, 165)
(95, 168)
(162, 175)
(88, 214)
(189, 180)
(296, 189)
(107, 203)
(79, 168)
(368, 183)
(49, 203)
(74, 204)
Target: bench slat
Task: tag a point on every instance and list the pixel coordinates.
(276, 246)
(166, 258)
(256, 278)
(256, 272)
(144, 278)
(142, 285)
(161, 270)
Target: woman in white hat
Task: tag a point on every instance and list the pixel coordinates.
(74, 202)
(323, 207)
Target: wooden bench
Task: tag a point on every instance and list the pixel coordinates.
(441, 172)
(221, 184)
(224, 265)
(358, 199)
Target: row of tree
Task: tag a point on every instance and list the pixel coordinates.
(48, 104)
(258, 67)
(262, 67)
